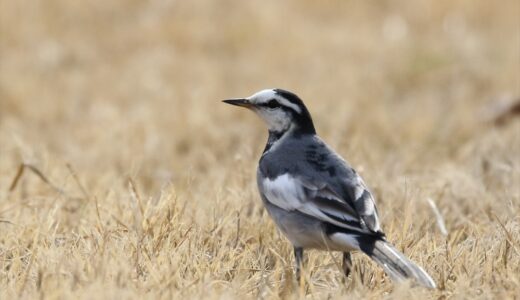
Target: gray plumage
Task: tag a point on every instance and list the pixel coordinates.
(313, 195)
(324, 177)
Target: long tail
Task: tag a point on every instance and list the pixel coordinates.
(395, 264)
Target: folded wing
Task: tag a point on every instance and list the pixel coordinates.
(317, 199)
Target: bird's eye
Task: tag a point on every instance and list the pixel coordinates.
(273, 104)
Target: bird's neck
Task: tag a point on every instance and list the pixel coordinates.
(275, 137)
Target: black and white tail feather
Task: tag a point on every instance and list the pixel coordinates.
(398, 266)
(314, 196)
(394, 263)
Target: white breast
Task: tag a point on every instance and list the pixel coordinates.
(284, 192)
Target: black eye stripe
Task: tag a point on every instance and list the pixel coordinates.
(272, 104)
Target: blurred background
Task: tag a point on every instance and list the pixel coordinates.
(109, 84)
(407, 91)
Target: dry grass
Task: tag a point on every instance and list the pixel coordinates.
(152, 191)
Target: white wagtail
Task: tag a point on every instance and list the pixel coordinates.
(314, 196)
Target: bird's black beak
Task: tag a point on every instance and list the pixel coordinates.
(239, 102)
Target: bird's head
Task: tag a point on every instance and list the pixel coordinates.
(281, 110)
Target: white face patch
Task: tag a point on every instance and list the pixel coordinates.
(277, 119)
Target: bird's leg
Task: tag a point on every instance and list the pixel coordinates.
(347, 263)
(298, 254)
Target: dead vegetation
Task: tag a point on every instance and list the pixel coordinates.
(123, 176)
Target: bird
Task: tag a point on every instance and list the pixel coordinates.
(316, 199)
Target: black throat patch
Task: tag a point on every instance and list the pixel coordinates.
(272, 139)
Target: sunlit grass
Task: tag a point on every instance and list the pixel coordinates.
(140, 183)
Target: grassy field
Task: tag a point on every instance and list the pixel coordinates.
(139, 183)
